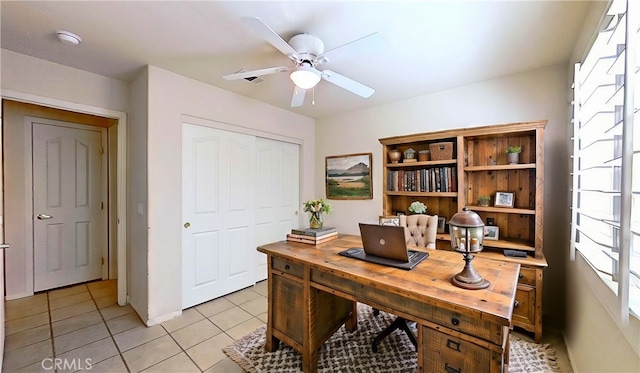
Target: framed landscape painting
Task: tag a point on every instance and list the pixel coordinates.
(348, 176)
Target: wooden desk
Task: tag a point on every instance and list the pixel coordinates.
(313, 291)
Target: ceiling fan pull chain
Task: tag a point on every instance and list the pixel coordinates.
(313, 98)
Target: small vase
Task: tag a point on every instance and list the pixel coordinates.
(394, 155)
(315, 221)
(513, 158)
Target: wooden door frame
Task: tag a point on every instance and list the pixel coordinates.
(121, 200)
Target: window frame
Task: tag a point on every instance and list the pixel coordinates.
(620, 287)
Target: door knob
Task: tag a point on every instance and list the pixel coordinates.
(44, 216)
(187, 225)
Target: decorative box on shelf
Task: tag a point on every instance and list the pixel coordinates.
(440, 151)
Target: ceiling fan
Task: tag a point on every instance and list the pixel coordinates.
(307, 51)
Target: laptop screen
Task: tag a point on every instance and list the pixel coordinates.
(384, 241)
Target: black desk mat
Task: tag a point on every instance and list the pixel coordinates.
(415, 257)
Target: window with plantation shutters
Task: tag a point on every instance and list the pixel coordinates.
(606, 156)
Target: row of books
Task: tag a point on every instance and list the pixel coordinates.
(313, 236)
(436, 179)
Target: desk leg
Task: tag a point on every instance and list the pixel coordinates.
(310, 362)
(352, 323)
(272, 343)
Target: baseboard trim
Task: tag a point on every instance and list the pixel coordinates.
(17, 296)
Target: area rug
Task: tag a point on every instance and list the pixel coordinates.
(351, 352)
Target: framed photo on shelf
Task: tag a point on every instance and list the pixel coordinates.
(348, 176)
(390, 220)
(504, 199)
(491, 232)
(442, 223)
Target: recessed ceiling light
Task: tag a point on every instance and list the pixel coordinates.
(68, 37)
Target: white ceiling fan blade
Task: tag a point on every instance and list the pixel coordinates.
(348, 84)
(249, 74)
(267, 33)
(298, 97)
(368, 44)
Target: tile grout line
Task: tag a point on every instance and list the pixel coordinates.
(108, 331)
(53, 345)
(180, 347)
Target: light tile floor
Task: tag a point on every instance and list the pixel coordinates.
(84, 322)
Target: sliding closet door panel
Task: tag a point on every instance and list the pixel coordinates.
(218, 197)
(278, 200)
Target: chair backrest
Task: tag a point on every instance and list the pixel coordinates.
(420, 230)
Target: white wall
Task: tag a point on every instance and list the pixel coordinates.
(524, 97)
(32, 76)
(170, 97)
(137, 226)
(43, 78)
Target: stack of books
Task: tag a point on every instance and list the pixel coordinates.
(312, 236)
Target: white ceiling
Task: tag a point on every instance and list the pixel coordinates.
(431, 45)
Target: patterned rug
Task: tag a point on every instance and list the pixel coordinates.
(351, 352)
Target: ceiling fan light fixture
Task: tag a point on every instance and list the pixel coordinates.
(305, 77)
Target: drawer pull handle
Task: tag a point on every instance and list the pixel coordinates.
(453, 345)
(516, 304)
(449, 369)
(287, 267)
(521, 276)
(455, 321)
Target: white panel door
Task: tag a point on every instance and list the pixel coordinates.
(218, 208)
(67, 205)
(278, 198)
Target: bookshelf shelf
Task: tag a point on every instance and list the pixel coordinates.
(425, 194)
(422, 164)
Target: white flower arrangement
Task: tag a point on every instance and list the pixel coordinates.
(418, 207)
(317, 205)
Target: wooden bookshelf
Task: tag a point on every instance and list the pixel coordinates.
(481, 169)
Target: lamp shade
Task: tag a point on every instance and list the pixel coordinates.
(305, 77)
(467, 232)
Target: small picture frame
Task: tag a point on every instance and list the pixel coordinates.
(491, 232)
(390, 220)
(504, 199)
(442, 223)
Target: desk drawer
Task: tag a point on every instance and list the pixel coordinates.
(447, 354)
(527, 276)
(294, 269)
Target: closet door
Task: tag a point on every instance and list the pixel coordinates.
(278, 201)
(218, 204)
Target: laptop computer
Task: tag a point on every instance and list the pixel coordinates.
(385, 244)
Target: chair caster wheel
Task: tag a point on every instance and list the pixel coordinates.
(374, 347)
(376, 312)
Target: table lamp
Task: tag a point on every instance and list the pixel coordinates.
(467, 231)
